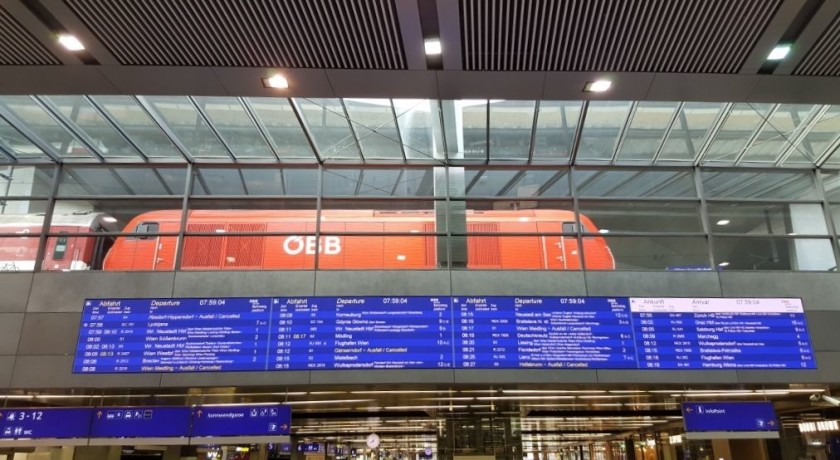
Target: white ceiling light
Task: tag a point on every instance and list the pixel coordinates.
(597, 86)
(723, 222)
(779, 52)
(70, 42)
(432, 46)
(276, 81)
(723, 264)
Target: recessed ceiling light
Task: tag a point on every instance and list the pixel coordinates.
(432, 46)
(723, 264)
(723, 222)
(779, 52)
(70, 42)
(277, 81)
(597, 86)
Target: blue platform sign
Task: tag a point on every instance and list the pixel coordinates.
(242, 420)
(729, 416)
(43, 423)
(141, 422)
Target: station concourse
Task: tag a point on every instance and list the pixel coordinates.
(419, 230)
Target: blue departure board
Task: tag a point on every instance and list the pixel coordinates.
(242, 420)
(140, 422)
(43, 423)
(438, 332)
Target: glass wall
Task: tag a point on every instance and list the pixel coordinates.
(123, 217)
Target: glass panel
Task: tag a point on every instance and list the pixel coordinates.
(643, 137)
(255, 181)
(769, 219)
(379, 182)
(736, 132)
(330, 128)
(835, 216)
(467, 121)
(504, 252)
(88, 180)
(745, 253)
(382, 216)
(139, 126)
(770, 185)
(634, 216)
(604, 120)
(223, 252)
(235, 126)
(516, 183)
(376, 127)
(22, 216)
(392, 252)
(26, 180)
(822, 135)
(86, 216)
(271, 211)
(508, 216)
(557, 122)
(185, 121)
(16, 144)
(100, 133)
(286, 133)
(779, 132)
(635, 183)
(17, 254)
(420, 128)
(511, 124)
(690, 130)
(45, 127)
(658, 253)
(831, 184)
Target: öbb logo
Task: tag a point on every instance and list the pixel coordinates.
(295, 244)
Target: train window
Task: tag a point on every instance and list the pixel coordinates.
(569, 227)
(145, 230)
(60, 248)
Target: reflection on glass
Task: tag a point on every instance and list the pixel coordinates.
(769, 185)
(740, 125)
(770, 219)
(185, 121)
(376, 128)
(745, 253)
(113, 215)
(511, 124)
(777, 135)
(279, 120)
(13, 142)
(17, 254)
(26, 180)
(635, 183)
(100, 133)
(330, 128)
(100, 180)
(645, 133)
(492, 252)
(45, 127)
(557, 122)
(820, 138)
(139, 126)
(465, 124)
(835, 216)
(229, 118)
(599, 136)
(21, 215)
(420, 128)
(515, 216)
(379, 182)
(689, 131)
(831, 185)
(255, 181)
(516, 183)
(658, 253)
(635, 216)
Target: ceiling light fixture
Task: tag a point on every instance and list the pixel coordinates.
(432, 46)
(779, 52)
(70, 42)
(723, 222)
(723, 264)
(597, 86)
(277, 81)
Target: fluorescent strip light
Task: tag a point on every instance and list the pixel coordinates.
(432, 46)
(597, 86)
(779, 52)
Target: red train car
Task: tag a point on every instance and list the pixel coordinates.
(218, 248)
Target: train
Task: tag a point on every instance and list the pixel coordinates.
(240, 239)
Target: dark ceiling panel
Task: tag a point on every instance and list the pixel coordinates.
(698, 36)
(824, 57)
(335, 34)
(19, 47)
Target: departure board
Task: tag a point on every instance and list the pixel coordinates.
(439, 332)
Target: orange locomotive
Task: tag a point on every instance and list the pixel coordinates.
(216, 247)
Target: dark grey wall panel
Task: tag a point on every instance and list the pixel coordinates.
(65, 292)
(687, 377)
(15, 291)
(828, 371)
(6, 365)
(643, 284)
(206, 379)
(10, 332)
(50, 334)
(245, 284)
(822, 326)
(397, 282)
(819, 291)
(489, 377)
(517, 283)
(55, 372)
(381, 376)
